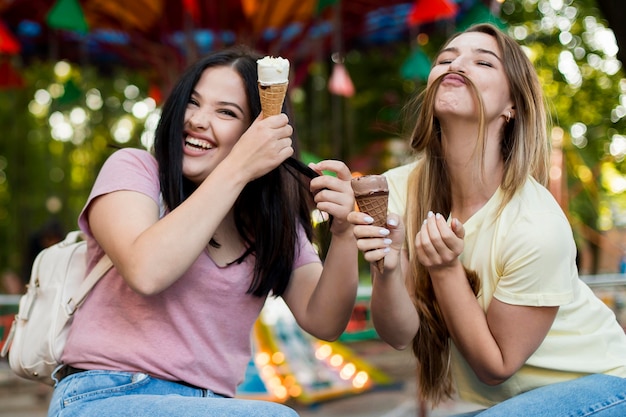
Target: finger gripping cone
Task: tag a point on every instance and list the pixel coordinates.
(272, 97)
(376, 206)
(371, 193)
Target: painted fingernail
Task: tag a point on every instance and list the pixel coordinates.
(387, 241)
(430, 214)
(368, 219)
(383, 232)
(438, 216)
(392, 222)
(386, 250)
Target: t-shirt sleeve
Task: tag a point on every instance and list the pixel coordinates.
(538, 261)
(306, 253)
(125, 170)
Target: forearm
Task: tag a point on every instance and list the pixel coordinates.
(332, 301)
(393, 312)
(467, 323)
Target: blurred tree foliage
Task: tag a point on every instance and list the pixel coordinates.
(51, 150)
(44, 180)
(575, 56)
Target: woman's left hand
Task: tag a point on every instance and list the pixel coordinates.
(334, 195)
(439, 244)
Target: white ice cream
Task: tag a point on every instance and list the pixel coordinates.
(273, 70)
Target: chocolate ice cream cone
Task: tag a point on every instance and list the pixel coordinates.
(372, 197)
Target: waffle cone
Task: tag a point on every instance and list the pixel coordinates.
(376, 206)
(272, 97)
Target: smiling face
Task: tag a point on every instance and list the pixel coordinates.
(216, 116)
(477, 56)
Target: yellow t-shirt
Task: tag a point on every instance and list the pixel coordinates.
(397, 181)
(526, 256)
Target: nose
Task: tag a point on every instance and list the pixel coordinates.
(199, 120)
(457, 64)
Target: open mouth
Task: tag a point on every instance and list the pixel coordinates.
(198, 144)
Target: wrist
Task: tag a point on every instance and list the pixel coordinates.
(231, 172)
(451, 270)
(343, 231)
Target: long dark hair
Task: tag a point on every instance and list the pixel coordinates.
(270, 209)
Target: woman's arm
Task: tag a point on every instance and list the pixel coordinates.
(322, 298)
(393, 311)
(495, 344)
(152, 253)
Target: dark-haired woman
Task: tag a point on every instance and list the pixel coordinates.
(200, 232)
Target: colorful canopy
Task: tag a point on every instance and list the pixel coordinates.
(288, 27)
(164, 36)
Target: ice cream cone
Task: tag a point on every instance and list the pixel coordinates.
(272, 97)
(372, 197)
(273, 79)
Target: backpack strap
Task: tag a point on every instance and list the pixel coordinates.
(98, 271)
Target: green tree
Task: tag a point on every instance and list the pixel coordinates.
(59, 128)
(575, 54)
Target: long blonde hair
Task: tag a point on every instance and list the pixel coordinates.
(524, 150)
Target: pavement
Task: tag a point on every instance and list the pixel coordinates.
(20, 397)
(23, 398)
(397, 400)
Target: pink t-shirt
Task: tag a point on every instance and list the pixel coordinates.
(198, 330)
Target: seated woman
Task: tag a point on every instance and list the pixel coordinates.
(200, 233)
(489, 294)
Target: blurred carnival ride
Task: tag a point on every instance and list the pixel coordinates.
(290, 365)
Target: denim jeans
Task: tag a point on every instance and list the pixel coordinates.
(115, 394)
(593, 395)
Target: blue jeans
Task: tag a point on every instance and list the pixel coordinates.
(593, 395)
(115, 394)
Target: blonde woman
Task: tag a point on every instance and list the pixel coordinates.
(488, 294)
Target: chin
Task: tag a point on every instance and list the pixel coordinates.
(196, 179)
(195, 176)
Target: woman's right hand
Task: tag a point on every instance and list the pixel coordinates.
(379, 242)
(263, 146)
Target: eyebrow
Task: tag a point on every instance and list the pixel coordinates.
(228, 103)
(475, 50)
(223, 103)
